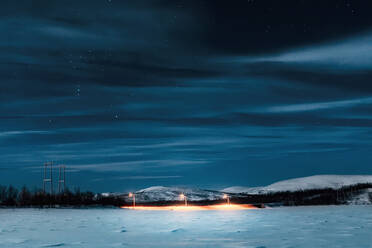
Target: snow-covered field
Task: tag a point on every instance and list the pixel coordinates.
(326, 226)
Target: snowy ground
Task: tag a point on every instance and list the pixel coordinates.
(329, 226)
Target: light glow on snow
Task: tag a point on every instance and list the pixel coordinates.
(193, 208)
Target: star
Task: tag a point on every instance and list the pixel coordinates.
(78, 90)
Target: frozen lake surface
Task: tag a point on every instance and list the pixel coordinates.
(329, 226)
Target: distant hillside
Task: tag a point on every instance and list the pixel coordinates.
(313, 190)
(305, 183)
(160, 193)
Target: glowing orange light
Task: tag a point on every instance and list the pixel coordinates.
(225, 196)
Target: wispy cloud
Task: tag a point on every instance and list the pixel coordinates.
(355, 53)
(21, 132)
(135, 165)
(317, 106)
(137, 178)
(347, 54)
(313, 150)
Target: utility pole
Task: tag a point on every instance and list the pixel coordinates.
(48, 165)
(51, 178)
(62, 179)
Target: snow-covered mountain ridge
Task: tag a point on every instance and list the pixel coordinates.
(305, 183)
(160, 193)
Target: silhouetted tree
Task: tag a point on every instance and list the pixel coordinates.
(3, 194)
(24, 197)
(11, 196)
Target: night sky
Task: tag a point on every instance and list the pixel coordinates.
(131, 94)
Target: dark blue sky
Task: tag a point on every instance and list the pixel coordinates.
(130, 94)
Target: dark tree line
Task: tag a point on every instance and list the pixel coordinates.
(327, 196)
(12, 197)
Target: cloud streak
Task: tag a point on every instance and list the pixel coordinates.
(138, 178)
(318, 106)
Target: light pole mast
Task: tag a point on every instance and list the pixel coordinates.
(184, 197)
(227, 197)
(133, 198)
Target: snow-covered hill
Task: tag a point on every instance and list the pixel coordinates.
(160, 193)
(305, 183)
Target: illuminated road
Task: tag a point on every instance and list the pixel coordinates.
(194, 208)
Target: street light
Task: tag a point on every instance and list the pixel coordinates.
(134, 198)
(183, 197)
(227, 197)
